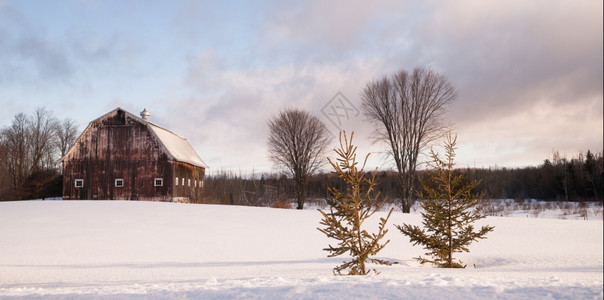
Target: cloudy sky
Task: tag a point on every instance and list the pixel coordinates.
(528, 74)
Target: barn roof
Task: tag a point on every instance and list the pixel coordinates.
(176, 146)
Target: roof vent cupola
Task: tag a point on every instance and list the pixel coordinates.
(145, 114)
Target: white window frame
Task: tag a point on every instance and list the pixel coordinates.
(183, 181)
(160, 180)
(176, 181)
(79, 183)
(189, 182)
(120, 180)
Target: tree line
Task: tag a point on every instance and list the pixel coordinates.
(580, 178)
(560, 179)
(30, 150)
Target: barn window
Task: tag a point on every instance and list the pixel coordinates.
(183, 181)
(159, 181)
(202, 183)
(189, 182)
(195, 181)
(79, 183)
(119, 182)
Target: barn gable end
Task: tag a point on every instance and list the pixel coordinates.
(123, 157)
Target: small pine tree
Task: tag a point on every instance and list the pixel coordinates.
(450, 209)
(348, 211)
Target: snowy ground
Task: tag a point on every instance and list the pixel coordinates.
(147, 250)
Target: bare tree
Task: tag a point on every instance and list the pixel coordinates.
(298, 142)
(66, 135)
(406, 109)
(42, 126)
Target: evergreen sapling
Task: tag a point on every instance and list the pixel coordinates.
(450, 209)
(349, 209)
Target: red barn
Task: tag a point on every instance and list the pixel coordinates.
(120, 156)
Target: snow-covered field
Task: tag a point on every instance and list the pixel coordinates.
(148, 250)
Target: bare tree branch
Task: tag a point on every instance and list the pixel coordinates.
(66, 135)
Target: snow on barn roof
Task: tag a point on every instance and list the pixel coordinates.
(177, 146)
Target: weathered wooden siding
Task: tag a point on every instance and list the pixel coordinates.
(118, 147)
(99, 180)
(190, 182)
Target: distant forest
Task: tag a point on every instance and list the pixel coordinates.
(557, 179)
